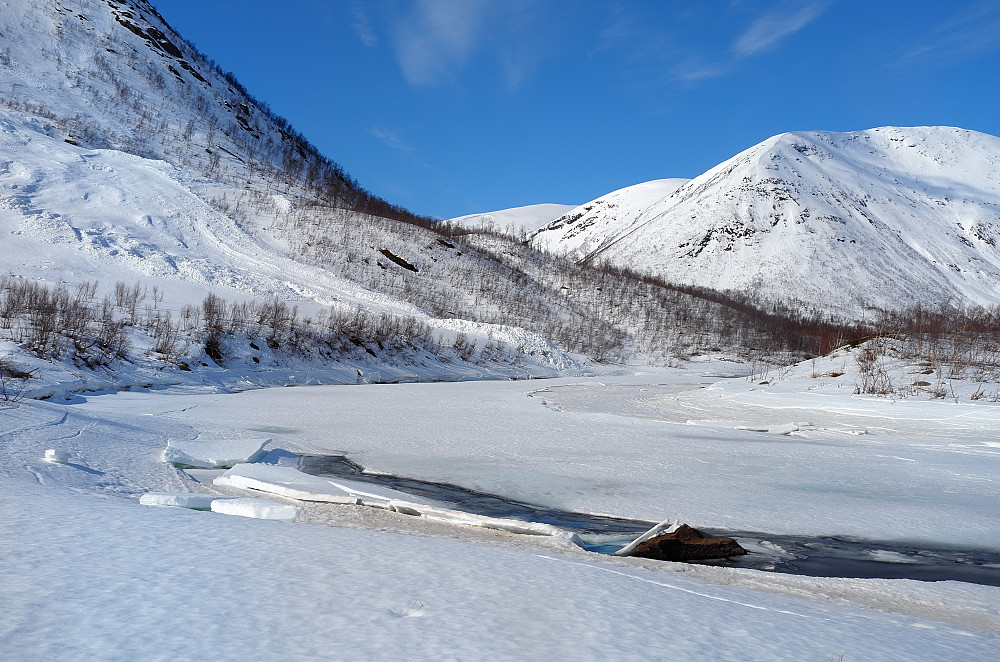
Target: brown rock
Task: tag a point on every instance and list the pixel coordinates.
(687, 544)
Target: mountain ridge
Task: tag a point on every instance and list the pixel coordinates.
(743, 224)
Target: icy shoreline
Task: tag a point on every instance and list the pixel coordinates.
(609, 445)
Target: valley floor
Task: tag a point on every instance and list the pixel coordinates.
(89, 573)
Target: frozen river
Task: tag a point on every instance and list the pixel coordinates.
(799, 461)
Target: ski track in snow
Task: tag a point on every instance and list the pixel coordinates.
(673, 587)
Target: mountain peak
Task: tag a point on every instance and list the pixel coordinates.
(881, 218)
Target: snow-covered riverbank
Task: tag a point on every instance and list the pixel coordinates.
(91, 573)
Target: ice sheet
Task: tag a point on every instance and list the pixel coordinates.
(192, 500)
(285, 481)
(256, 508)
(213, 453)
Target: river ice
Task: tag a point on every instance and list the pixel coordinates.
(88, 572)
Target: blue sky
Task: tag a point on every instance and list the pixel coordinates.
(450, 107)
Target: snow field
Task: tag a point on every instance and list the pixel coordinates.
(168, 583)
(871, 468)
(179, 584)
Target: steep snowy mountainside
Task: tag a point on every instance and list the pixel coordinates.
(112, 74)
(515, 220)
(883, 218)
(126, 157)
(70, 214)
(576, 228)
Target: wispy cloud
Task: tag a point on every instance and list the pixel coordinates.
(783, 20)
(362, 25)
(695, 69)
(391, 139)
(435, 40)
(620, 30)
(970, 33)
(436, 37)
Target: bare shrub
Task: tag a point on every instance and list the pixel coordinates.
(13, 382)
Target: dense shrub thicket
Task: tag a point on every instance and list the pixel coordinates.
(131, 324)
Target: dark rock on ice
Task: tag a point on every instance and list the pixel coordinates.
(687, 544)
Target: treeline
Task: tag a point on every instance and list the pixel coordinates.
(606, 313)
(131, 324)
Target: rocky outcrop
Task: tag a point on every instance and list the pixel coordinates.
(687, 544)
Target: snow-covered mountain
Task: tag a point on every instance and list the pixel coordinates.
(884, 218)
(127, 157)
(129, 162)
(138, 181)
(514, 220)
(603, 215)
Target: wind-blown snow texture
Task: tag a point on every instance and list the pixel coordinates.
(884, 218)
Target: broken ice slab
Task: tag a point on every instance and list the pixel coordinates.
(286, 482)
(452, 516)
(256, 508)
(212, 453)
(57, 456)
(192, 500)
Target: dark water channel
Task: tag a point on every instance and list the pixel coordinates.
(797, 555)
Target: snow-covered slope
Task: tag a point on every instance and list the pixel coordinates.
(575, 229)
(514, 220)
(883, 218)
(113, 74)
(126, 157)
(73, 214)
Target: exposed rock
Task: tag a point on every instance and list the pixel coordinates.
(687, 544)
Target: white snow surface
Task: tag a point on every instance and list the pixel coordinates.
(568, 231)
(516, 219)
(884, 218)
(90, 573)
